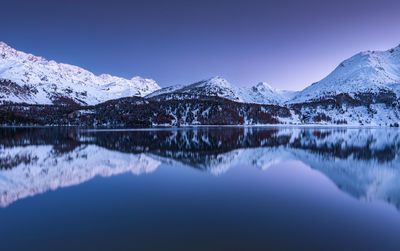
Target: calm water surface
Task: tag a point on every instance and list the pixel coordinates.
(200, 189)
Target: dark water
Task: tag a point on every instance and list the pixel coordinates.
(200, 189)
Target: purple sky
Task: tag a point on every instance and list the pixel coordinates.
(289, 44)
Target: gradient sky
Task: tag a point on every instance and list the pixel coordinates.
(289, 44)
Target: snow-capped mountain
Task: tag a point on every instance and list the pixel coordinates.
(372, 72)
(35, 80)
(362, 90)
(371, 76)
(216, 86)
(261, 93)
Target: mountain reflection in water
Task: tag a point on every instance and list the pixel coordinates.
(361, 162)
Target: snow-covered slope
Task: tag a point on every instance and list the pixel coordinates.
(371, 72)
(261, 93)
(40, 81)
(165, 90)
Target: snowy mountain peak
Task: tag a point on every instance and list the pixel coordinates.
(366, 72)
(39, 81)
(7, 52)
(3, 45)
(261, 93)
(263, 86)
(216, 86)
(217, 78)
(215, 81)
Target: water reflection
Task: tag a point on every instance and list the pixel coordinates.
(361, 162)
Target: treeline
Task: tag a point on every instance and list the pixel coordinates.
(137, 112)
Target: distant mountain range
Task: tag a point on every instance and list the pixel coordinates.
(362, 90)
(262, 93)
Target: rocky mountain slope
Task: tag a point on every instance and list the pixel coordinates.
(35, 80)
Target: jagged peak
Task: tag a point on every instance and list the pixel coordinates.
(138, 78)
(5, 48)
(11, 52)
(264, 85)
(214, 81)
(217, 78)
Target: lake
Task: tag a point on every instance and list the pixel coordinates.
(216, 188)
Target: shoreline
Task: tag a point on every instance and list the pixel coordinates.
(310, 126)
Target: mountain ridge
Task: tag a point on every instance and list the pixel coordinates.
(362, 90)
(365, 72)
(261, 93)
(47, 81)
